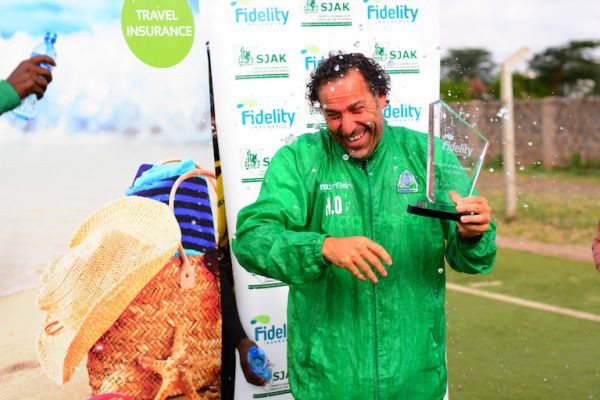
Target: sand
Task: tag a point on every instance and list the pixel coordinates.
(21, 376)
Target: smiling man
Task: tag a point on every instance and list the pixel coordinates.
(330, 219)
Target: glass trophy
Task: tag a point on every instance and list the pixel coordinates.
(455, 153)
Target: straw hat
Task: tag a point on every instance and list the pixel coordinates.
(113, 255)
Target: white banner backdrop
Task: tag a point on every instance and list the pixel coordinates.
(262, 52)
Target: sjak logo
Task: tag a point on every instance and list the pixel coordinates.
(266, 332)
(253, 159)
(379, 54)
(245, 57)
(262, 16)
(311, 7)
(314, 7)
(407, 182)
(260, 118)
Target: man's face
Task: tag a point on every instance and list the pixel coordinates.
(353, 115)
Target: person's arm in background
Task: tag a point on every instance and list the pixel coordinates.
(27, 78)
(234, 332)
(596, 248)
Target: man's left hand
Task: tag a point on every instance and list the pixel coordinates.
(479, 222)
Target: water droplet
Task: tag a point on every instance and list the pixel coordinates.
(525, 206)
(346, 157)
(289, 138)
(336, 67)
(521, 168)
(562, 128)
(98, 347)
(529, 143)
(193, 222)
(332, 89)
(491, 169)
(314, 170)
(535, 123)
(440, 270)
(503, 113)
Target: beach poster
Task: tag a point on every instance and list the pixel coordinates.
(109, 109)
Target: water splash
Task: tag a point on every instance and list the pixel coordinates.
(503, 113)
(289, 138)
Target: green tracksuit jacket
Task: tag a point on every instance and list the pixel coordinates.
(9, 98)
(349, 339)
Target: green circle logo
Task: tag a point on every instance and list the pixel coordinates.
(159, 32)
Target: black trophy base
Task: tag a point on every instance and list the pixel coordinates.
(434, 210)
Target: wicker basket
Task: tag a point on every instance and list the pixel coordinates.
(147, 328)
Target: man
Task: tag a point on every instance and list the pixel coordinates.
(29, 77)
(329, 221)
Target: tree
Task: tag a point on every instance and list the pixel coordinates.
(466, 74)
(524, 87)
(565, 69)
(466, 64)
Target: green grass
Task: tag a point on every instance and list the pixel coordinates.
(504, 351)
(553, 206)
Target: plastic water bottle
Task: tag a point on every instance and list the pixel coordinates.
(27, 109)
(259, 363)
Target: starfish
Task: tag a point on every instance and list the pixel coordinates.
(176, 370)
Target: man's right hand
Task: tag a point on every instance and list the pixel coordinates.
(353, 253)
(30, 78)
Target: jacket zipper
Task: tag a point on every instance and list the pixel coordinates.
(373, 289)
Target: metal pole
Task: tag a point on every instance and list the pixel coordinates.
(508, 132)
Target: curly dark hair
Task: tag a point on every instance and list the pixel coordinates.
(338, 64)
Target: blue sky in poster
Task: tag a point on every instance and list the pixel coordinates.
(35, 17)
(99, 86)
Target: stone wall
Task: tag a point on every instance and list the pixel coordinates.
(550, 131)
